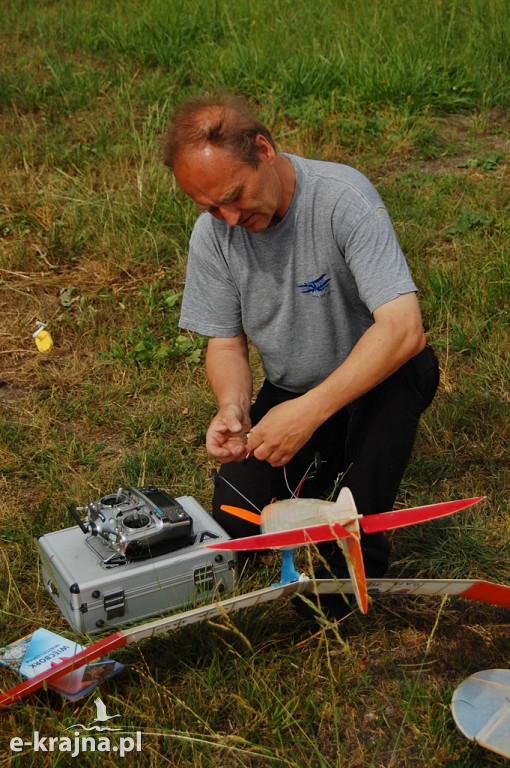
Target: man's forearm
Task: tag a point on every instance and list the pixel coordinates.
(396, 336)
(382, 350)
(229, 373)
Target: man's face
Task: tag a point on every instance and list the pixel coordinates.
(231, 190)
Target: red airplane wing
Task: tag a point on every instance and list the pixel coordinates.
(389, 520)
(297, 537)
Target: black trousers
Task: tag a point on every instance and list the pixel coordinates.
(368, 444)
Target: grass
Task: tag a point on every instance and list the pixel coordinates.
(93, 240)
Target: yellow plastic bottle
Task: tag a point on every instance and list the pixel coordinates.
(42, 337)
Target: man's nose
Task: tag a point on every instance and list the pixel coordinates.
(230, 213)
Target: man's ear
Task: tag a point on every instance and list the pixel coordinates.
(265, 149)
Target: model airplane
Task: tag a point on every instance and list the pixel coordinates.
(293, 523)
(320, 521)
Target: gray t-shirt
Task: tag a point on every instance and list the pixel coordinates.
(304, 290)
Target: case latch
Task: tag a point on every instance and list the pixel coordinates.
(114, 604)
(203, 578)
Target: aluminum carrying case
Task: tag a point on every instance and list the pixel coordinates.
(93, 597)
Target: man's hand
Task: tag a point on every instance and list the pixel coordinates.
(225, 440)
(228, 370)
(282, 432)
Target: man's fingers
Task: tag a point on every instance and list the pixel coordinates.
(276, 457)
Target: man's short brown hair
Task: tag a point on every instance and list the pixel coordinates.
(223, 120)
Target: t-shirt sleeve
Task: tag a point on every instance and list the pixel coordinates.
(210, 303)
(374, 257)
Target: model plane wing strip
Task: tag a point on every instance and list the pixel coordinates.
(296, 537)
(149, 629)
(399, 519)
(483, 591)
(469, 589)
(95, 651)
(486, 592)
